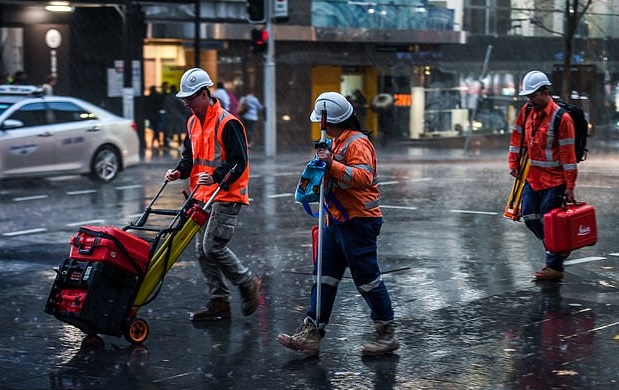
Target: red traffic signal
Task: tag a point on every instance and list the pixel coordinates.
(259, 40)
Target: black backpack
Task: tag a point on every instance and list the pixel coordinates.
(581, 127)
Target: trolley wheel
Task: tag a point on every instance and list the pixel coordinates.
(137, 331)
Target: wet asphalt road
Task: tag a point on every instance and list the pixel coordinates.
(459, 274)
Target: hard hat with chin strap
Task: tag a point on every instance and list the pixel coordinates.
(192, 81)
(533, 81)
(338, 107)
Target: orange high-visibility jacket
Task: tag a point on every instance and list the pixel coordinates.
(552, 156)
(209, 152)
(352, 177)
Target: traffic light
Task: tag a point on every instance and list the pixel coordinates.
(259, 40)
(257, 11)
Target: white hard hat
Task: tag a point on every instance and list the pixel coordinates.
(533, 81)
(192, 81)
(338, 107)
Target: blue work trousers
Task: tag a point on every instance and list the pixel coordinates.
(534, 205)
(352, 244)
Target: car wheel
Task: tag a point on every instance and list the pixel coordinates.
(105, 164)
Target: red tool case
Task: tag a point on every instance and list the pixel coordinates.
(92, 295)
(570, 227)
(95, 287)
(111, 244)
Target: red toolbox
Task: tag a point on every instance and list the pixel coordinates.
(94, 296)
(570, 227)
(111, 244)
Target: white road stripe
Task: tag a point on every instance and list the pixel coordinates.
(33, 197)
(382, 206)
(91, 222)
(386, 183)
(22, 232)
(129, 187)
(81, 192)
(421, 179)
(474, 212)
(613, 254)
(594, 186)
(279, 195)
(583, 260)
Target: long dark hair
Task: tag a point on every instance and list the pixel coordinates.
(352, 122)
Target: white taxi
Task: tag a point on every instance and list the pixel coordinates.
(46, 135)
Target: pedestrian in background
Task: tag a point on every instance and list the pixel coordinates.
(353, 225)
(234, 104)
(383, 106)
(20, 77)
(152, 104)
(360, 103)
(162, 133)
(177, 114)
(221, 94)
(215, 143)
(249, 111)
(551, 178)
(48, 86)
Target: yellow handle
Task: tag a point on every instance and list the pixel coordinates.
(157, 268)
(512, 210)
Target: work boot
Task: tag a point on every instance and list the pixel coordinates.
(216, 309)
(548, 274)
(385, 341)
(250, 295)
(307, 340)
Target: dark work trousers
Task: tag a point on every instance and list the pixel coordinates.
(534, 205)
(352, 244)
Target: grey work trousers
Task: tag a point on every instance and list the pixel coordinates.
(215, 258)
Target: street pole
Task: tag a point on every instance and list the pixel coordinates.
(270, 133)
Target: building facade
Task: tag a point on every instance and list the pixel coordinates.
(432, 68)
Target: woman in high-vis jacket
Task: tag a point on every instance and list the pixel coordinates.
(350, 239)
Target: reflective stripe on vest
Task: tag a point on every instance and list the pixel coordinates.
(549, 162)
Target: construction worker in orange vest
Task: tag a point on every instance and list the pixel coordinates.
(551, 178)
(215, 143)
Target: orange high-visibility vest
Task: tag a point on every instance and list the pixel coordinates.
(352, 177)
(209, 152)
(552, 156)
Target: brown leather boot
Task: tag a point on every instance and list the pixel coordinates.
(250, 295)
(216, 309)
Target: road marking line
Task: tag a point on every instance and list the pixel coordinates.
(386, 183)
(279, 195)
(129, 187)
(594, 186)
(82, 192)
(33, 197)
(91, 222)
(22, 232)
(583, 260)
(613, 254)
(421, 179)
(474, 212)
(398, 207)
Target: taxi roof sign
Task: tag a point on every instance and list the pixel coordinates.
(20, 90)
